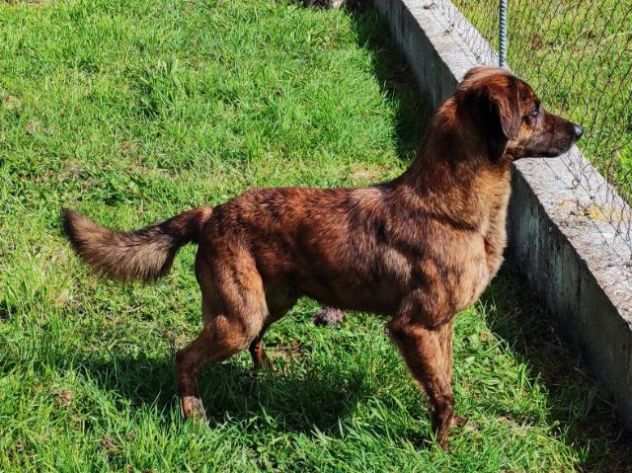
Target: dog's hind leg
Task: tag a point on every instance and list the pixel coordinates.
(278, 306)
(424, 354)
(219, 339)
(235, 311)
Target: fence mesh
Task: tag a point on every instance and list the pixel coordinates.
(481, 13)
(578, 57)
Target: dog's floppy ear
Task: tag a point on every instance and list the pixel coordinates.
(506, 102)
(495, 110)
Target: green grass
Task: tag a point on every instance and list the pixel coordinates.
(133, 111)
(578, 57)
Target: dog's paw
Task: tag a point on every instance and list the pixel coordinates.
(263, 364)
(329, 316)
(193, 409)
(458, 421)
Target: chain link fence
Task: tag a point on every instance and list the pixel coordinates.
(578, 57)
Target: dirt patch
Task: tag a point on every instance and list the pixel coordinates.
(64, 398)
(366, 174)
(11, 103)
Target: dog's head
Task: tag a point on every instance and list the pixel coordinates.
(509, 118)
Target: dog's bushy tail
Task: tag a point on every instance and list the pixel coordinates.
(145, 254)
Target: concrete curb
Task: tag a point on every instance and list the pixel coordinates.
(557, 232)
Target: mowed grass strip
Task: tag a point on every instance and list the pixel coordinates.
(133, 111)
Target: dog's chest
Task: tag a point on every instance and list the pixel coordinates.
(485, 252)
(495, 227)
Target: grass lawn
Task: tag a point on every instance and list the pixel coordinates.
(578, 56)
(133, 111)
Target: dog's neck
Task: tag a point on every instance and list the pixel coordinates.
(453, 174)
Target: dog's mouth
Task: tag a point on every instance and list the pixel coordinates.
(555, 152)
(555, 141)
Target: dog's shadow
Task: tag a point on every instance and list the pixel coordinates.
(292, 400)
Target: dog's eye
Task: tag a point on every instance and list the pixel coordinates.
(535, 112)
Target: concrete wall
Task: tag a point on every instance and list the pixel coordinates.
(560, 238)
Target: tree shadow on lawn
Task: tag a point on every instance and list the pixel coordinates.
(581, 408)
(289, 399)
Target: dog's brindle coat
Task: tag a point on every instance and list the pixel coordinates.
(418, 249)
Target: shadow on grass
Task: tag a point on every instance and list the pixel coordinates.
(289, 401)
(395, 78)
(581, 408)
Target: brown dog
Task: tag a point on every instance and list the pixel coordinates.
(418, 249)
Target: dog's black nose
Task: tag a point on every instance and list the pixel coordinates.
(578, 130)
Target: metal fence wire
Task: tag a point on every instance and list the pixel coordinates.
(578, 57)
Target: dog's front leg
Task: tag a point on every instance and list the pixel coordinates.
(425, 350)
(259, 358)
